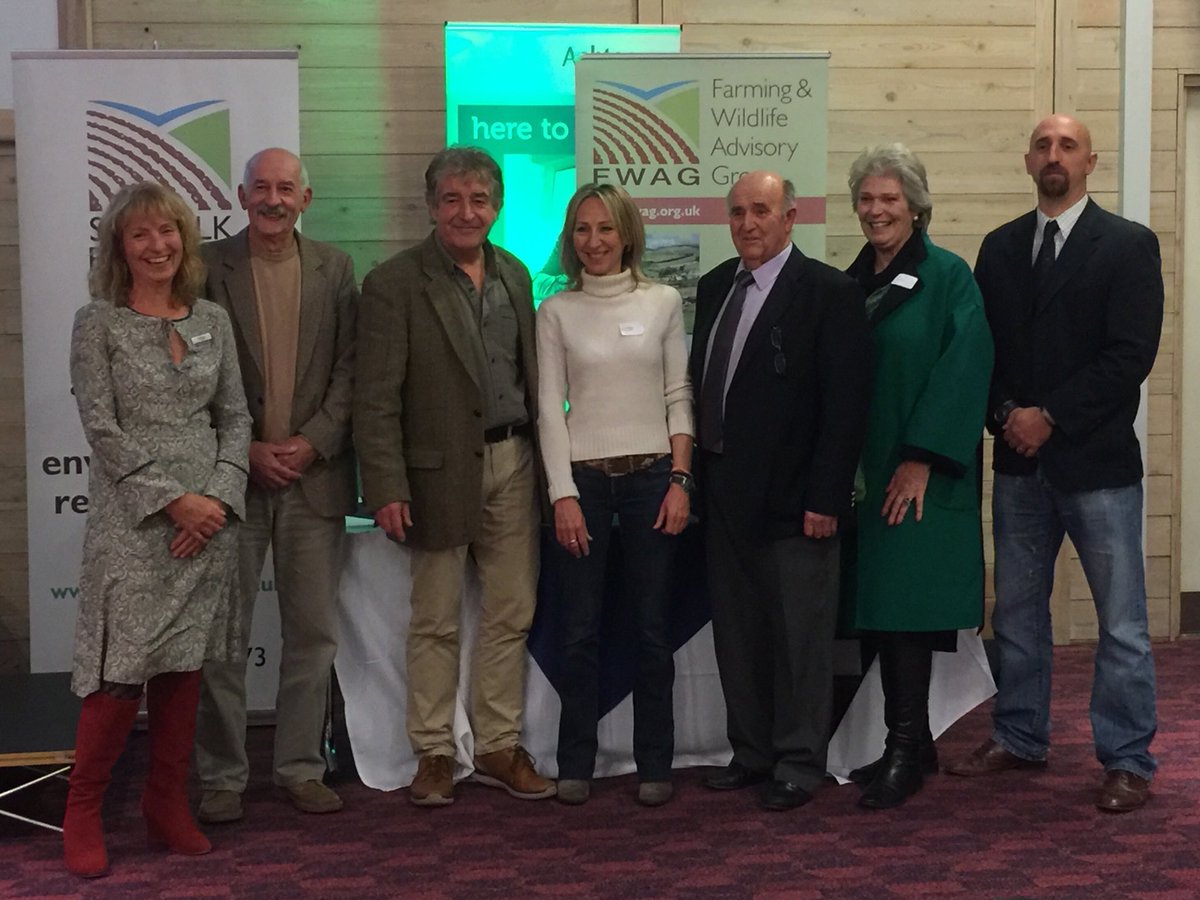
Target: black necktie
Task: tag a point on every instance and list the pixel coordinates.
(1045, 258)
(712, 398)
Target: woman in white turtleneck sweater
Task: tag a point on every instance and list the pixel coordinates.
(612, 347)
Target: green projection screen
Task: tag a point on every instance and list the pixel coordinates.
(510, 89)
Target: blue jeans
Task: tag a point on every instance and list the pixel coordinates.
(1029, 519)
(647, 555)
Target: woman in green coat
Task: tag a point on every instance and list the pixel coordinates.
(920, 548)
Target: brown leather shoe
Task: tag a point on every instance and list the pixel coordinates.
(1122, 792)
(219, 806)
(655, 793)
(512, 770)
(990, 758)
(312, 797)
(434, 784)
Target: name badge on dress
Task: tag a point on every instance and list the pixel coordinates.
(631, 329)
(201, 338)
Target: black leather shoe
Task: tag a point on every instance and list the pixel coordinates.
(733, 777)
(781, 796)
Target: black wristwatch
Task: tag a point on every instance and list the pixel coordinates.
(1004, 410)
(684, 480)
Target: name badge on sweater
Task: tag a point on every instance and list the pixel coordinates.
(201, 338)
(904, 280)
(631, 329)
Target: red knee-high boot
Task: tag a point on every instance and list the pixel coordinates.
(104, 725)
(171, 700)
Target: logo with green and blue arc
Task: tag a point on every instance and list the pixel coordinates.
(186, 148)
(645, 125)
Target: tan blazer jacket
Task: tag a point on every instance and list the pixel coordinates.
(418, 410)
(325, 364)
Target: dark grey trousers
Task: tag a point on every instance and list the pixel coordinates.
(774, 612)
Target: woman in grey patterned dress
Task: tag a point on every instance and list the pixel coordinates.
(155, 374)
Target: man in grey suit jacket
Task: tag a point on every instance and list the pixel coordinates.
(444, 419)
(292, 302)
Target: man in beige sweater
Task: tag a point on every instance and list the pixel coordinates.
(292, 302)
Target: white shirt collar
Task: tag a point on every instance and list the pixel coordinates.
(765, 275)
(1066, 219)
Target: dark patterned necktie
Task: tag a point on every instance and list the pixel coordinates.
(712, 397)
(1045, 258)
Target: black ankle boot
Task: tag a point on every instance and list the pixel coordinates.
(898, 778)
(927, 757)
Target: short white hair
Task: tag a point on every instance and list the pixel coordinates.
(895, 161)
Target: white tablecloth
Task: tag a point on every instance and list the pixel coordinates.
(371, 672)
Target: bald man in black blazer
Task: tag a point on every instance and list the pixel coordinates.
(781, 364)
(1074, 297)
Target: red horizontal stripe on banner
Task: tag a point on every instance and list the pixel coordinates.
(810, 210)
(711, 210)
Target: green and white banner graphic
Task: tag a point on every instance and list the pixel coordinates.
(510, 89)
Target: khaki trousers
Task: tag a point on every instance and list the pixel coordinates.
(307, 552)
(506, 555)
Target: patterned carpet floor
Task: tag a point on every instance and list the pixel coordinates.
(1015, 835)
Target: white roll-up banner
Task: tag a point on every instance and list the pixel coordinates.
(88, 123)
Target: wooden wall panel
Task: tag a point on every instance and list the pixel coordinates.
(358, 12)
(1177, 52)
(1101, 89)
(875, 46)
(14, 573)
(907, 17)
(74, 24)
(325, 46)
(931, 89)
(373, 90)
(1167, 14)
(1098, 47)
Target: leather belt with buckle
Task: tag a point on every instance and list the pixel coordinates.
(504, 432)
(621, 465)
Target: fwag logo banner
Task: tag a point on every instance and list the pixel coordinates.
(677, 131)
(633, 125)
(87, 124)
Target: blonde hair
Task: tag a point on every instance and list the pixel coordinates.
(625, 216)
(109, 278)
